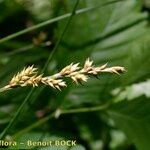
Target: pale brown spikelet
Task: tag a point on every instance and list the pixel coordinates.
(69, 69)
(78, 77)
(54, 83)
(34, 81)
(29, 76)
(88, 65)
(116, 70)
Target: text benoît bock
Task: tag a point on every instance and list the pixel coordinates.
(39, 143)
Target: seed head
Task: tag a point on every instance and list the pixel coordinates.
(29, 76)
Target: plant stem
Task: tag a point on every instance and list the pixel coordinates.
(45, 66)
(6, 88)
(85, 109)
(62, 112)
(50, 21)
(15, 115)
(2, 90)
(61, 37)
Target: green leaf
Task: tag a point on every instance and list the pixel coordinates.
(133, 91)
(133, 117)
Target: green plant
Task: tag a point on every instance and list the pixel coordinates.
(111, 113)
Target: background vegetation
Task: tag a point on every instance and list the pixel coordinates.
(116, 32)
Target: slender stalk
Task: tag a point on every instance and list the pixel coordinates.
(15, 115)
(62, 112)
(32, 90)
(26, 48)
(85, 109)
(61, 37)
(50, 21)
(34, 125)
(2, 90)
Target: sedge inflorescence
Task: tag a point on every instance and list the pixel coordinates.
(29, 76)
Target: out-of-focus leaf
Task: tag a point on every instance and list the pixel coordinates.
(133, 91)
(118, 138)
(41, 10)
(133, 117)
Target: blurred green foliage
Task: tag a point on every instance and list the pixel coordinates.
(117, 33)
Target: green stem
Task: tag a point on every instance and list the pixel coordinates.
(85, 109)
(50, 21)
(15, 115)
(45, 66)
(62, 112)
(61, 37)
